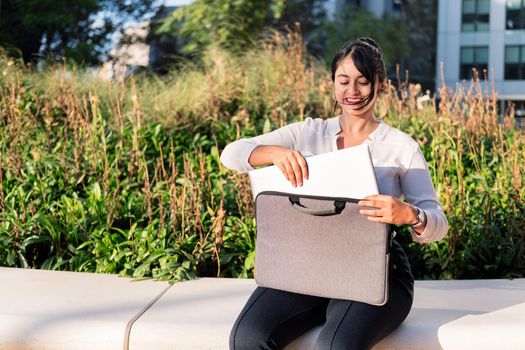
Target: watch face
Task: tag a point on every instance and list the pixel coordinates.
(420, 218)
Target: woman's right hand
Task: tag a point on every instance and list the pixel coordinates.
(292, 164)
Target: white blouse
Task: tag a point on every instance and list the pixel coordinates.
(399, 164)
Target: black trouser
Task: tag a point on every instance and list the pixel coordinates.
(273, 318)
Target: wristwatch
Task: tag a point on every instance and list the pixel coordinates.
(421, 219)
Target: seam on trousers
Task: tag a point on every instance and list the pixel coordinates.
(339, 325)
(244, 314)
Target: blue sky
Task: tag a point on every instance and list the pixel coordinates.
(177, 2)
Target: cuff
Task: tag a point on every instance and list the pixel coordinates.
(245, 156)
(427, 235)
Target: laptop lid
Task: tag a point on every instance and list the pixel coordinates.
(347, 173)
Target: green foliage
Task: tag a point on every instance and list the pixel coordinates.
(229, 24)
(125, 177)
(353, 22)
(78, 30)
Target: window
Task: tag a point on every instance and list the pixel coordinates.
(473, 57)
(475, 15)
(515, 62)
(515, 14)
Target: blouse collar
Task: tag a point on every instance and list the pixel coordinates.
(334, 128)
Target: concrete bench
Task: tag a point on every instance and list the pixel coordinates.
(64, 310)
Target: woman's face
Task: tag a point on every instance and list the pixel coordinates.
(352, 89)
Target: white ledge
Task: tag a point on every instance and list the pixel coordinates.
(65, 310)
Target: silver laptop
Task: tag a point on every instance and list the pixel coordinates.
(347, 173)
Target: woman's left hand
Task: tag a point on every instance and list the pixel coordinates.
(388, 209)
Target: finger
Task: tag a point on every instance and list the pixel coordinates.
(297, 171)
(374, 213)
(379, 198)
(296, 168)
(302, 163)
(372, 196)
(290, 172)
(377, 219)
(383, 198)
(285, 169)
(370, 203)
(281, 166)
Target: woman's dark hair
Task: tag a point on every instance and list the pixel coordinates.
(368, 59)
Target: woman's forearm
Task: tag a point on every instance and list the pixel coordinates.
(238, 154)
(265, 155)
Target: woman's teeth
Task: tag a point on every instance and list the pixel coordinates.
(352, 101)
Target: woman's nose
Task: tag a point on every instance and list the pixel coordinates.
(353, 88)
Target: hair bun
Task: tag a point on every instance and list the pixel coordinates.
(370, 42)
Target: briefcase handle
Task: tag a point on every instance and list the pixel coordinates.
(337, 209)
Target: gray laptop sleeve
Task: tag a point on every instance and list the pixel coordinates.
(321, 246)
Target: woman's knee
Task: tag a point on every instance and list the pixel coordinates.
(251, 336)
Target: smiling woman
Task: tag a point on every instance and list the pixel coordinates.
(358, 74)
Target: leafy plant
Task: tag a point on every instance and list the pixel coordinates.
(125, 177)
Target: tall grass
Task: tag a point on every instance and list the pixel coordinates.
(125, 177)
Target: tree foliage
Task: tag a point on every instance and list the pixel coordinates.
(353, 22)
(311, 15)
(79, 30)
(233, 24)
(229, 24)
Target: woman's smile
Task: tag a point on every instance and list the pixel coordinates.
(353, 101)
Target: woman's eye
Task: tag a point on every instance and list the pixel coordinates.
(343, 82)
(363, 83)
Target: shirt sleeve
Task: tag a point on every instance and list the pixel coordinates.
(235, 155)
(417, 188)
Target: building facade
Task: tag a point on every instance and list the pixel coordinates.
(486, 35)
(380, 8)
